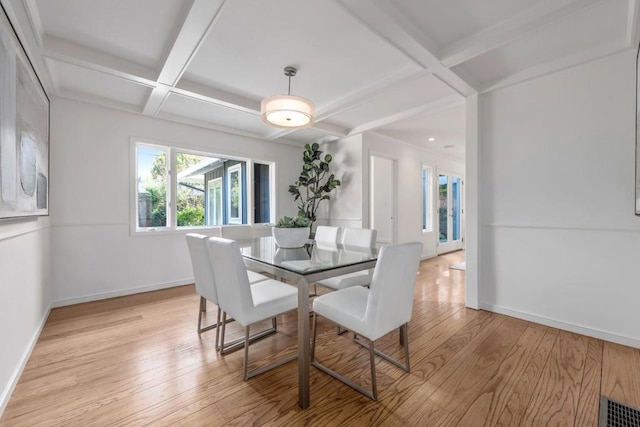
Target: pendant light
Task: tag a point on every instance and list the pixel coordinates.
(288, 111)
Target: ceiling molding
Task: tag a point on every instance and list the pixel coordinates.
(100, 101)
(432, 107)
(218, 128)
(33, 15)
(382, 19)
(633, 34)
(219, 97)
(511, 29)
(72, 53)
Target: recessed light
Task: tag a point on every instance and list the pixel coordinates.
(449, 146)
(432, 139)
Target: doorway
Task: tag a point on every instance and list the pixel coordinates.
(382, 198)
(449, 212)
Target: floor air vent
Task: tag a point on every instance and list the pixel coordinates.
(615, 414)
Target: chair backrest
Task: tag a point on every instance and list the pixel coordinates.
(325, 233)
(364, 237)
(202, 272)
(232, 281)
(390, 299)
(237, 232)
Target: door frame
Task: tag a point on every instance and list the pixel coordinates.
(394, 186)
(449, 246)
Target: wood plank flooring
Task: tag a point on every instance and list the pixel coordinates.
(138, 360)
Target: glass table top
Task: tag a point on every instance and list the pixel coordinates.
(311, 258)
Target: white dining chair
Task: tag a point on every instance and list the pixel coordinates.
(326, 233)
(248, 304)
(237, 232)
(376, 311)
(353, 238)
(205, 283)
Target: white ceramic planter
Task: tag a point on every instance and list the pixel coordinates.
(290, 237)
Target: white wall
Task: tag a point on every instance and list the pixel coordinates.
(93, 253)
(25, 295)
(559, 242)
(352, 198)
(345, 207)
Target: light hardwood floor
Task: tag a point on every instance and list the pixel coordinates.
(138, 360)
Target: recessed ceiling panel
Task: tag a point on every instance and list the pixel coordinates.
(414, 94)
(137, 30)
(446, 127)
(446, 22)
(76, 79)
(179, 105)
(252, 41)
(578, 34)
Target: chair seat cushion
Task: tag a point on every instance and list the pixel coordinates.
(256, 277)
(358, 278)
(347, 308)
(270, 298)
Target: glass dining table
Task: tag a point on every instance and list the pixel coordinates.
(315, 261)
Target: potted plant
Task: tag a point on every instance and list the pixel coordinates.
(291, 232)
(315, 182)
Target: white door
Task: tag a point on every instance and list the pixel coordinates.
(449, 212)
(382, 201)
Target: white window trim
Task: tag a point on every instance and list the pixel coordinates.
(235, 169)
(430, 203)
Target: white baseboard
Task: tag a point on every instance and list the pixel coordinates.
(13, 381)
(119, 293)
(428, 256)
(590, 332)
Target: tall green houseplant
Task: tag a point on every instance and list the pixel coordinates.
(315, 182)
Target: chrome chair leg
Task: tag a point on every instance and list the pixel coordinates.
(246, 374)
(373, 394)
(372, 359)
(406, 365)
(246, 352)
(202, 309)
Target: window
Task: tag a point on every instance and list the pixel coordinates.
(427, 199)
(177, 188)
(151, 177)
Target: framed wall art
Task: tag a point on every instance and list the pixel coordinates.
(24, 131)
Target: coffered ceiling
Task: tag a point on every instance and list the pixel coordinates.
(397, 68)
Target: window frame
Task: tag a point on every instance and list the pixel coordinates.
(237, 169)
(427, 205)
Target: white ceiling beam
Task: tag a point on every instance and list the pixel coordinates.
(199, 21)
(216, 96)
(351, 101)
(384, 19)
(633, 34)
(368, 93)
(538, 16)
(72, 53)
(33, 14)
(560, 64)
(433, 107)
(322, 126)
(155, 100)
